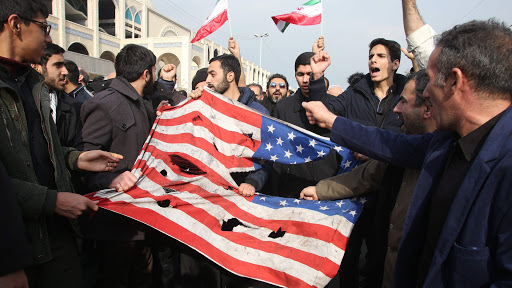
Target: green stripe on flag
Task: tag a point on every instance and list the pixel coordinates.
(311, 2)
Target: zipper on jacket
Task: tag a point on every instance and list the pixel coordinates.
(42, 126)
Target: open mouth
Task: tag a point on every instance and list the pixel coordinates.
(374, 71)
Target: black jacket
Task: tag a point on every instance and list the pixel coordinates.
(69, 125)
(14, 245)
(289, 180)
(164, 90)
(360, 104)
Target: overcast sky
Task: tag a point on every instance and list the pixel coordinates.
(349, 26)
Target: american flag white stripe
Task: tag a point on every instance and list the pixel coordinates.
(308, 238)
(200, 108)
(229, 246)
(257, 212)
(292, 240)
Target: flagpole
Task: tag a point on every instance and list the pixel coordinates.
(229, 21)
(322, 21)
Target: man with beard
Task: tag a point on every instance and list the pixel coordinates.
(119, 119)
(223, 76)
(392, 185)
(65, 110)
(277, 89)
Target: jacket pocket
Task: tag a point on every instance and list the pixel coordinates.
(469, 266)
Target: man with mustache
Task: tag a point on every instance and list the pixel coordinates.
(65, 110)
(277, 89)
(223, 77)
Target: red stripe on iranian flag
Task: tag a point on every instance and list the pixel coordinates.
(216, 19)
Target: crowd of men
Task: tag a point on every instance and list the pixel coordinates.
(434, 147)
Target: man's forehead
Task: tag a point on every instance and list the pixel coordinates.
(215, 65)
(409, 90)
(56, 58)
(277, 79)
(379, 49)
(304, 68)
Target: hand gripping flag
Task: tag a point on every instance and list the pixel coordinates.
(310, 13)
(186, 192)
(216, 19)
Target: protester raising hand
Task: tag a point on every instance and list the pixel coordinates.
(319, 45)
(319, 63)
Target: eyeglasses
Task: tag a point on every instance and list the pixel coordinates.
(274, 85)
(46, 27)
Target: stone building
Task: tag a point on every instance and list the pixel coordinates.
(94, 31)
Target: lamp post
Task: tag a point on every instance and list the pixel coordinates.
(261, 42)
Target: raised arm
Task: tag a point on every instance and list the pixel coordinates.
(412, 18)
(234, 48)
(420, 36)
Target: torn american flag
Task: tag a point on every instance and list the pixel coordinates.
(186, 192)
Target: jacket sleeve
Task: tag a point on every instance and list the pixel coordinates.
(421, 44)
(36, 201)
(317, 92)
(259, 177)
(364, 179)
(395, 148)
(13, 244)
(96, 135)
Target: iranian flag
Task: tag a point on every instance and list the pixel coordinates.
(216, 19)
(310, 13)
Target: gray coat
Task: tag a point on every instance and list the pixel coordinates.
(117, 120)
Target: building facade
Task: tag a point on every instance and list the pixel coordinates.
(94, 31)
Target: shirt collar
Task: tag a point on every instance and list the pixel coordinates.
(473, 142)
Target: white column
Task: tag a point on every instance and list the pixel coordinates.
(61, 8)
(185, 63)
(94, 23)
(144, 21)
(120, 19)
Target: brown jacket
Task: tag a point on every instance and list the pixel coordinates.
(394, 198)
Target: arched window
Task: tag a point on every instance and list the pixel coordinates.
(137, 18)
(128, 15)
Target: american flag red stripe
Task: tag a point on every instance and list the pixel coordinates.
(186, 192)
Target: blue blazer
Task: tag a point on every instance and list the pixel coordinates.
(475, 245)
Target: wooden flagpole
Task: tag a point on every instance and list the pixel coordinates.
(322, 21)
(229, 20)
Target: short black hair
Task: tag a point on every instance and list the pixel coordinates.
(85, 75)
(354, 78)
(229, 63)
(73, 73)
(394, 48)
(303, 59)
(482, 51)
(421, 81)
(132, 61)
(276, 75)
(50, 50)
(257, 85)
(24, 8)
